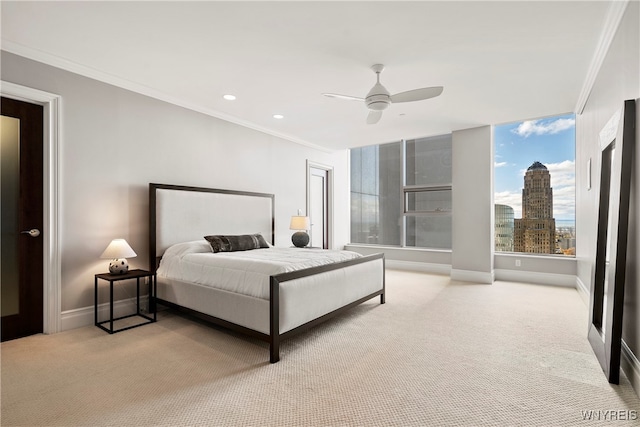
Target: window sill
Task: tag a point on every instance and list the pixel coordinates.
(534, 256)
(396, 248)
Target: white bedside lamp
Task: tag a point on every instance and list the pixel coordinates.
(118, 251)
(300, 238)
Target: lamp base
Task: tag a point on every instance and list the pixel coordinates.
(119, 266)
(300, 239)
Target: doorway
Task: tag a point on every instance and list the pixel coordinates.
(22, 220)
(319, 209)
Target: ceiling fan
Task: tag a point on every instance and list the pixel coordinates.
(378, 98)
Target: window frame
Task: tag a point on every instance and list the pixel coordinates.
(554, 238)
(409, 189)
(406, 190)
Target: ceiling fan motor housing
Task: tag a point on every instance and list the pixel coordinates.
(378, 98)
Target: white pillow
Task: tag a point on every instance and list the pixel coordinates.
(193, 247)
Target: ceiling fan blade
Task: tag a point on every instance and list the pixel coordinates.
(417, 94)
(374, 117)
(347, 97)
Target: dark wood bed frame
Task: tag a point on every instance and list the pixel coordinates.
(274, 337)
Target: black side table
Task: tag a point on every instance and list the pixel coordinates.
(132, 274)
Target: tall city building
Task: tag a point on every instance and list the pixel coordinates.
(536, 231)
(504, 228)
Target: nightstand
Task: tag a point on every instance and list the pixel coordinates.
(132, 274)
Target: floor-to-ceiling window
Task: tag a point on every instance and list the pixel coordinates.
(401, 193)
(534, 180)
(376, 194)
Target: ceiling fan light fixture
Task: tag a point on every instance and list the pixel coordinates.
(379, 98)
(377, 105)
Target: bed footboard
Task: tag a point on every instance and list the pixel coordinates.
(298, 300)
(284, 321)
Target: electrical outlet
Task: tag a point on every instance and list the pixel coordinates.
(518, 263)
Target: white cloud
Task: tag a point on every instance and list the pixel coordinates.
(510, 198)
(562, 174)
(499, 164)
(565, 165)
(539, 127)
(564, 205)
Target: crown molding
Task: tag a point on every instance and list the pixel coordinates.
(611, 24)
(67, 65)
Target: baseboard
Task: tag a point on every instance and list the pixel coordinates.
(540, 278)
(631, 367)
(472, 276)
(423, 267)
(565, 280)
(583, 291)
(628, 361)
(81, 317)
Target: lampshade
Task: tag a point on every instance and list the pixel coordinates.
(300, 223)
(118, 248)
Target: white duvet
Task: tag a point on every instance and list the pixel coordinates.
(244, 272)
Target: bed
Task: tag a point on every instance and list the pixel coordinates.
(270, 293)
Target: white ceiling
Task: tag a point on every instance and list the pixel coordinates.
(498, 61)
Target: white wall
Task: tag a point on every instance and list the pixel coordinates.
(472, 248)
(541, 269)
(114, 142)
(618, 80)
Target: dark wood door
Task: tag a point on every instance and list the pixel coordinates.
(21, 247)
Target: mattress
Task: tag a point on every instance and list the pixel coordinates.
(242, 272)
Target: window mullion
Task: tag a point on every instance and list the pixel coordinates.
(403, 174)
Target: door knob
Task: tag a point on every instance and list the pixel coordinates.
(34, 232)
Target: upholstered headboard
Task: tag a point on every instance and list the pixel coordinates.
(181, 214)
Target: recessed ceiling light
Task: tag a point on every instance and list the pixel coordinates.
(278, 116)
(229, 97)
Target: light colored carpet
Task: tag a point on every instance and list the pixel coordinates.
(438, 353)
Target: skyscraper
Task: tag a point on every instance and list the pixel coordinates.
(504, 228)
(535, 232)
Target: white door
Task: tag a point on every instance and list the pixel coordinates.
(318, 197)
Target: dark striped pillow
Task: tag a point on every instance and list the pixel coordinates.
(245, 242)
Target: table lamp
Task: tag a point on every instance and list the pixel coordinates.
(300, 238)
(118, 251)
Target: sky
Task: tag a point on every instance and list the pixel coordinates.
(550, 141)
